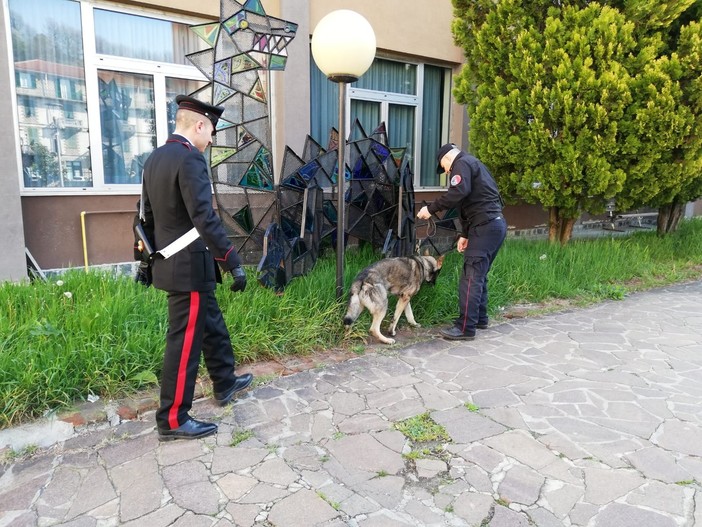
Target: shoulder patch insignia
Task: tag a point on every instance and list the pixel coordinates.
(455, 180)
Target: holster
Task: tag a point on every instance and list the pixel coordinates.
(143, 246)
(143, 242)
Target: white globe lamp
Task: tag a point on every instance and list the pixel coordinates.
(343, 47)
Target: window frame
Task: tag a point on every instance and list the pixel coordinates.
(92, 62)
(386, 99)
(416, 100)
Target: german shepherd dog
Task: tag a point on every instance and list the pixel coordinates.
(401, 276)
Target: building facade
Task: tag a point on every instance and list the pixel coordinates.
(92, 84)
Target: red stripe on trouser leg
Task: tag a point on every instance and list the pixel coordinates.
(184, 359)
(465, 308)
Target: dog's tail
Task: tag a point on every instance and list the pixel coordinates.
(355, 308)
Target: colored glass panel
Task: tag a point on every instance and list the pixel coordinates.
(207, 32)
(257, 92)
(222, 71)
(219, 154)
(242, 63)
(255, 6)
(236, 22)
(244, 219)
(221, 93)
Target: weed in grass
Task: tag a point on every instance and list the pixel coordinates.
(685, 482)
(227, 411)
(422, 428)
(418, 454)
(502, 501)
(262, 380)
(611, 291)
(11, 456)
(358, 349)
(472, 407)
(240, 437)
(446, 480)
(334, 505)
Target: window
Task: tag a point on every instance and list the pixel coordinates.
(127, 122)
(96, 90)
(27, 106)
(47, 50)
(25, 80)
(76, 170)
(139, 37)
(410, 98)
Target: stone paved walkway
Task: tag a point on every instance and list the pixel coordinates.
(586, 418)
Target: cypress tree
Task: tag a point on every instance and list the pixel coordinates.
(574, 102)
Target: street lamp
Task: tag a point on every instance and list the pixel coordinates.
(343, 46)
(55, 111)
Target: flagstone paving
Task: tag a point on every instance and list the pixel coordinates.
(587, 418)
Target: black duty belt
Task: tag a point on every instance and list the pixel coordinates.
(482, 220)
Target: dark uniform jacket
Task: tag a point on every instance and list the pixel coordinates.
(178, 197)
(473, 191)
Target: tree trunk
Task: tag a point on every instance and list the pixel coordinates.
(669, 217)
(554, 224)
(560, 229)
(566, 229)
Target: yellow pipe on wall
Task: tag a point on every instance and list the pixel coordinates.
(85, 241)
(83, 214)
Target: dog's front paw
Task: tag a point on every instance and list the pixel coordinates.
(415, 325)
(382, 338)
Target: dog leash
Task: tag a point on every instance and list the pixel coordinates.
(431, 231)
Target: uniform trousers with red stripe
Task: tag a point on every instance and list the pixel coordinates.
(195, 326)
(484, 241)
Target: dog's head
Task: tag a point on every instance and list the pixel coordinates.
(432, 267)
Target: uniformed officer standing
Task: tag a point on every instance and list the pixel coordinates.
(474, 191)
(177, 196)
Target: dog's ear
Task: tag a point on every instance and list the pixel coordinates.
(426, 252)
(439, 261)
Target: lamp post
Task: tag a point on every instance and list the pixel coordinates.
(55, 111)
(343, 46)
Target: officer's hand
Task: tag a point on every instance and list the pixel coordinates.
(424, 213)
(239, 279)
(462, 244)
(143, 274)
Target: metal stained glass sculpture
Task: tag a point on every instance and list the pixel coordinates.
(285, 226)
(245, 46)
(379, 196)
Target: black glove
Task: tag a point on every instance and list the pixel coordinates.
(143, 274)
(239, 279)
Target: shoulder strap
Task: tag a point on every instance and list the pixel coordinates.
(142, 216)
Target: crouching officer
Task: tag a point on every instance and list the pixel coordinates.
(177, 198)
(474, 192)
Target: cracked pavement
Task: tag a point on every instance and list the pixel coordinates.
(590, 417)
